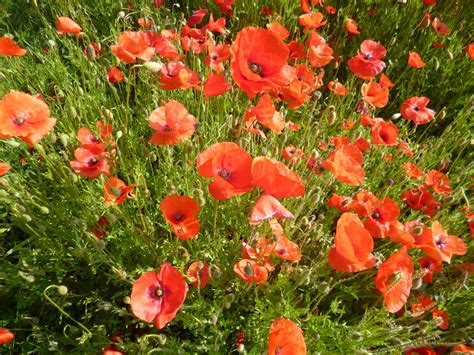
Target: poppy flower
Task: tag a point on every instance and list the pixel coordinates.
(353, 245)
(415, 61)
(261, 253)
(385, 212)
(112, 349)
(424, 350)
(383, 132)
(8, 47)
(279, 29)
(292, 154)
(439, 182)
(366, 202)
(330, 10)
(346, 164)
(175, 75)
(266, 114)
(6, 336)
(286, 249)
(342, 203)
(385, 81)
(470, 51)
(337, 88)
(193, 39)
(398, 233)
(394, 280)
(163, 43)
(428, 266)
(196, 17)
(24, 116)
(114, 75)
(367, 63)
(276, 179)
(352, 27)
(217, 26)
(297, 50)
(285, 337)
(218, 54)
(440, 27)
(320, 55)
(251, 271)
(362, 144)
(230, 167)
(116, 191)
(172, 124)
(158, 296)
(259, 61)
(91, 161)
(4, 168)
(415, 110)
(198, 274)
(313, 20)
(375, 94)
(413, 171)
(462, 348)
(421, 199)
(181, 213)
(66, 25)
(101, 228)
(215, 85)
(268, 207)
(132, 45)
(441, 318)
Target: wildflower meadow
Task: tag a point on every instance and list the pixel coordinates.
(236, 177)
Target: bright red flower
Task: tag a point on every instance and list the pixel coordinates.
(66, 25)
(8, 47)
(6, 336)
(415, 61)
(398, 233)
(313, 20)
(230, 167)
(198, 274)
(352, 27)
(367, 63)
(268, 207)
(261, 253)
(470, 51)
(91, 161)
(217, 26)
(112, 349)
(337, 88)
(415, 110)
(438, 182)
(286, 249)
(181, 213)
(24, 116)
(4, 168)
(175, 75)
(215, 85)
(251, 271)
(132, 45)
(375, 94)
(462, 348)
(440, 27)
(429, 266)
(114, 75)
(279, 30)
(276, 179)
(381, 216)
(346, 164)
(218, 54)
(424, 350)
(266, 114)
(285, 337)
(158, 296)
(320, 55)
(116, 191)
(292, 154)
(353, 245)
(394, 280)
(342, 203)
(259, 61)
(413, 171)
(196, 17)
(383, 132)
(385, 81)
(172, 124)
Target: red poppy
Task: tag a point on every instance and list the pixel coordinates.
(285, 337)
(415, 61)
(441, 318)
(261, 253)
(198, 274)
(8, 47)
(158, 296)
(292, 154)
(470, 51)
(438, 182)
(429, 2)
(181, 212)
(251, 271)
(276, 179)
(313, 20)
(362, 144)
(353, 245)
(196, 17)
(415, 110)
(330, 10)
(367, 63)
(428, 266)
(163, 43)
(114, 75)
(421, 199)
(381, 216)
(112, 349)
(4, 168)
(91, 161)
(259, 61)
(175, 75)
(6, 336)
(346, 164)
(305, 4)
(297, 50)
(342, 203)
(385, 81)
(394, 280)
(398, 233)
(215, 85)
(366, 203)
(375, 94)
(279, 30)
(462, 348)
(24, 116)
(230, 167)
(266, 114)
(337, 88)
(116, 191)
(352, 27)
(424, 350)
(286, 249)
(383, 132)
(132, 45)
(268, 207)
(218, 54)
(217, 26)
(172, 124)
(193, 39)
(320, 55)
(66, 25)
(413, 171)
(101, 228)
(440, 27)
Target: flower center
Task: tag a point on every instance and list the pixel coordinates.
(166, 128)
(214, 56)
(92, 161)
(178, 216)
(417, 108)
(376, 215)
(440, 243)
(248, 269)
(225, 174)
(20, 119)
(159, 292)
(255, 68)
(116, 191)
(368, 57)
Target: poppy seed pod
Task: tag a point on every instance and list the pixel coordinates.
(51, 43)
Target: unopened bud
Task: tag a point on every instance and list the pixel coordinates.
(213, 319)
(62, 290)
(154, 67)
(161, 339)
(13, 143)
(228, 299)
(396, 116)
(126, 300)
(121, 14)
(44, 210)
(90, 50)
(119, 134)
(215, 271)
(51, 43)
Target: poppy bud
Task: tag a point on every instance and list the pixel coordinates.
(119, 134)
(241, 349)
(121, 14)
(27, 277)
(442, 114)
(51, 43)
(91, 52)
(44, 210)
(52, 138)
(3, 193)
(213, 319)
(215, 271)
(126, 300)
(64, 139)
(450, 55)
(396, 116)
(99, 244)
(417, 283)
(228, 299)
(107, 112)
(97, 83)
(357, 336)
(62, 290)
(161, 339)
(154, 67)
(331, 118)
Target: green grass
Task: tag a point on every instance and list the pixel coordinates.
(47, 211)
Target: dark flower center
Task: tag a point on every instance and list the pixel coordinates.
(256, 68)
(384, 136)
(416, 108)
(282, 251)
(214, 56)
(225, 174)
(92, 161)
(376, 215)
(368, 57)
(159, 292)
(20, 119)
(440, 243)
(166, 128)
(178, 216)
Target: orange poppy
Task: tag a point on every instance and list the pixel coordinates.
(198, 274)
(375, 94)
(462, 348)
(132, 45)
(91, 161)
(215, 85)
(305, 4)
(413, 171)
(251, 271)
(362, 144)
(438, 182)
(8, 47)
(286, 249)
(320, 55)
(381, 216)
(337, 88)
(162, 43)
(267, 115)
(292, 154)
(394, 280)
(415, 110)
(217, 26)
(342, 203)
(279, 30)
(313, 20)
(175, 75)
(415, 61)
(385, 81)
(181, 213)
(24, 116)
(297, 50)
(428, 266)
(116, 191)
(158, 296)
(353, 245)
(424, 350)
(66, 25)
(112, 349)
(352, 27)
(346, 164)
(230, 167)
(421, 199)
(6, 336)
(4, 168)
(114, 75)
(268, 207)
(470, 51)
(440, 27)
(368, 63)
(330, 10)
(262, 252)
(172, 124)
(441, 318)
(285, 337)
(218, 54)
(276, 179)
(383, 132)
(366, 203)
(398, 233)
(259, 61)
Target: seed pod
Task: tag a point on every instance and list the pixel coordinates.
(213, 319)
(51, 43)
